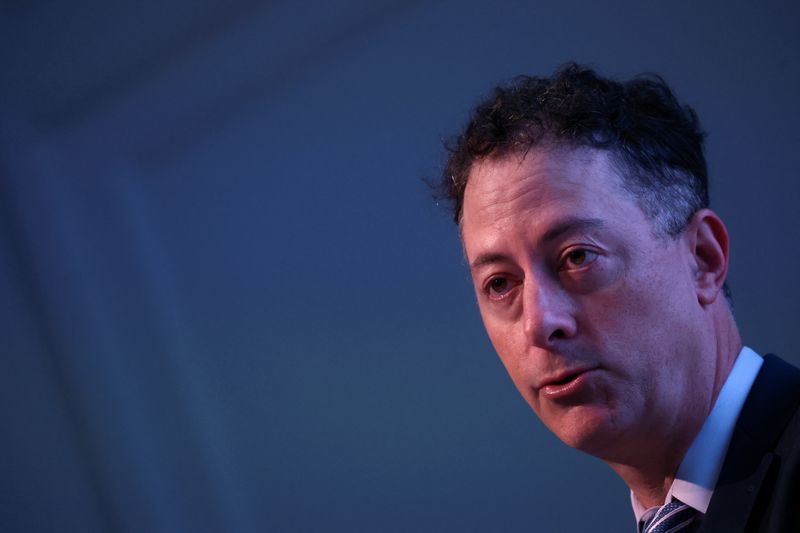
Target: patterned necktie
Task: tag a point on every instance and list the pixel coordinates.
(673, 516)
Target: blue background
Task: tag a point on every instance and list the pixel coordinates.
(228, 301)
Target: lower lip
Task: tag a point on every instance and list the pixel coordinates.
(563, 390)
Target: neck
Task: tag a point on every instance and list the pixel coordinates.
(651, 478)
(651, 474)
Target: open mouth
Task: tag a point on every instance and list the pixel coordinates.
(567, 385)
(565, 380)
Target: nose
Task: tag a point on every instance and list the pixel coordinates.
(548, 314)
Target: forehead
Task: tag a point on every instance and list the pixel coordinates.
(536, 189)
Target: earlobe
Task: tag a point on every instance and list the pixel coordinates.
(710, 249)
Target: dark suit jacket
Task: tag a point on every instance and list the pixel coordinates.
(759, 485)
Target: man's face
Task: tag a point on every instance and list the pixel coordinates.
(595, 317)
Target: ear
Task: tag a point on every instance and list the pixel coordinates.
(709, 243)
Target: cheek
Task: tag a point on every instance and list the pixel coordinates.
(509, 345)
(645, 292)
(502, 339)
(500, 324)
(641, 324)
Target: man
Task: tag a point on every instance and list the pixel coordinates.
(600, 271)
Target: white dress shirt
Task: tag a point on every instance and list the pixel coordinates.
(697, 476)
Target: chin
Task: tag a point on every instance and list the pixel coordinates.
(588, 429)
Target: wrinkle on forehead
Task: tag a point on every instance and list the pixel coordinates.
(521, 184)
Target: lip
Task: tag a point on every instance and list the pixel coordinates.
(566, 384)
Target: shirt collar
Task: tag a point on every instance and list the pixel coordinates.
(697, 475)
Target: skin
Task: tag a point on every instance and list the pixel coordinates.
(618, 338)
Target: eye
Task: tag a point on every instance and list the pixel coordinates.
(578, 258)
(498, 287)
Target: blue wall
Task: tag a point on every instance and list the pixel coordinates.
(228, 300)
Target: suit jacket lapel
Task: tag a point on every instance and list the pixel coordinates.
(745, 482)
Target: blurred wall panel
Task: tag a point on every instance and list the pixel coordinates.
(229, 302)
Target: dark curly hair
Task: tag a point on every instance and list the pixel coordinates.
(655, 143)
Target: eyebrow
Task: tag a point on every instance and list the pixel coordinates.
(564, 226)
(569, 225)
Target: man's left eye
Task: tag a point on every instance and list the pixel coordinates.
(578, 258)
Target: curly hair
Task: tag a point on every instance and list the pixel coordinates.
(654, 142)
